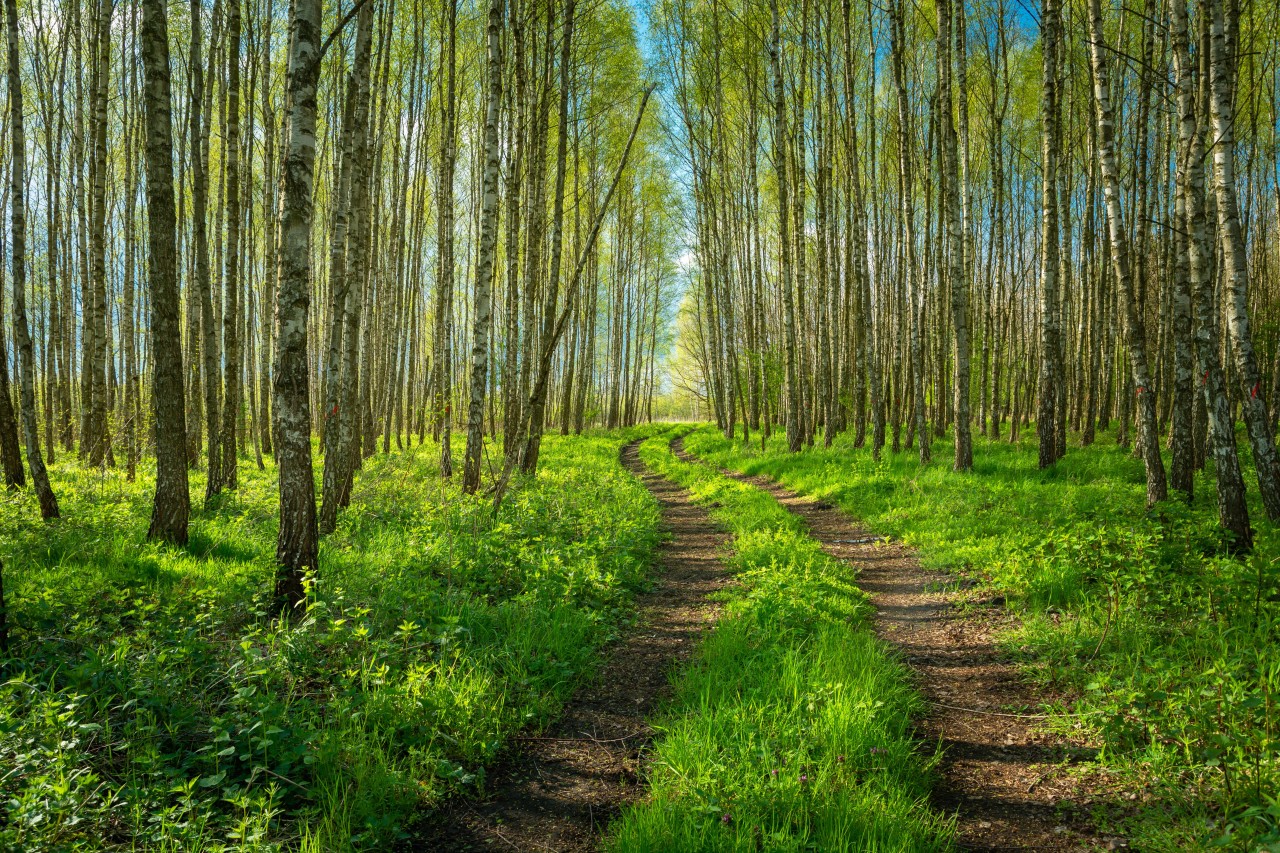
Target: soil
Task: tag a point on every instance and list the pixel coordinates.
(558, 790)
(1011, 784)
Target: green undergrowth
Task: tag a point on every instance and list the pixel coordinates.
(1166, 644)
(790, 731)
(153, 702)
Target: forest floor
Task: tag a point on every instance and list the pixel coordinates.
(560, 789)
(1006, 658)
(1005, 778)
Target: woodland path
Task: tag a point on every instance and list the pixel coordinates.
(1005, 779)
(558, 790)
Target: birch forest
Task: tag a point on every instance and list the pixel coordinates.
(639, 425)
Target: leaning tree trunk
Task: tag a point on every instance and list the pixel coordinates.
(172, 504)
(1157, 489)
(535, 412)
(21, 331)
(297, 545)
(1235, 264)
(543, 374)
(484, 266)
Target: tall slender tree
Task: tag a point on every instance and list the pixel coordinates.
(339, 416)
(197, 145)
(297, 549)
(1235, 264)
(171, 507)
(233, 367)
(536, 411)
(18, 223)
(444, 245)
(1233, 512)
(953, 224)
(1050, 152)
(95, 436)
(488, 245)
(781, 146)
(1135, 327)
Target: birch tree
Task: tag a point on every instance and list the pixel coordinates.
(18, 223)
(488, 244)
(296, 547)
(172, 504)
(1135, 328)
(1235, 264)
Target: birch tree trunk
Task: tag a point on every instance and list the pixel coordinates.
(21, 331)
(296, 547)
(542, 376)
(444, 287)
(172, 505)
(1050, 150)
(1233, 512)
(485, 263)
(1181, 439)
(128, 333)
(1235, 262)
(95, 339)
(10, 454)
(270, 260)
(958, 281)
(535, 412)
(780, 147)
(907, 189)
(1135, 328)
(231, 399)
(338, 415)
(516, 130)
(209, 349)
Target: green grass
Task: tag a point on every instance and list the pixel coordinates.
(1166, 643)
(790, 730)
(153, 702)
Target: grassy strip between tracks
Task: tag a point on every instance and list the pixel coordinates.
(791, 728)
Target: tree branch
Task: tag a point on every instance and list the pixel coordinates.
(355, 10)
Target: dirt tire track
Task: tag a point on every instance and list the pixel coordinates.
(1001, 776)
(562, 787)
